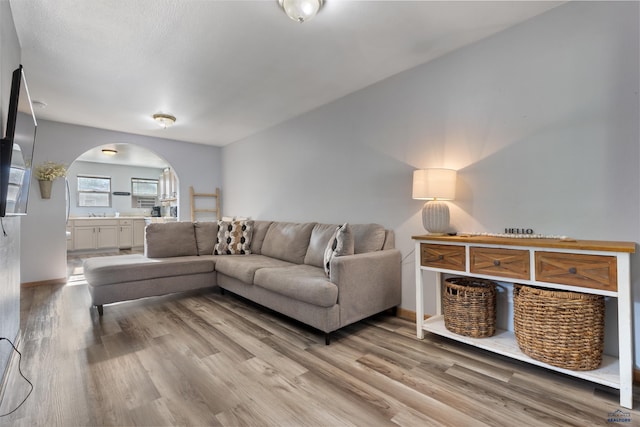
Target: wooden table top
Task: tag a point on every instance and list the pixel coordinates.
(590, 245)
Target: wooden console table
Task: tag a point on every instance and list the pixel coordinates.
(587, 266)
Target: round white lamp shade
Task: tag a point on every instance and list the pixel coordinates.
(435, 185)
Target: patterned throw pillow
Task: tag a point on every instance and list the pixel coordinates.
(234, 238)
(341, 243)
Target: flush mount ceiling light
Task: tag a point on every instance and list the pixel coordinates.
(39, 104)
(164, 120)
(301, 10)
(109, 151)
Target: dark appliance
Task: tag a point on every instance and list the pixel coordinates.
(155, 211)
(16, 148)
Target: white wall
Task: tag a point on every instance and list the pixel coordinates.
(120, 182)
(541, 121)
(9, 243)
(43, 229)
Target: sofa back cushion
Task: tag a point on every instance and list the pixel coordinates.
(389, 240)
(320, 236)
(287, 241)
(163, 240)
(206, 233)
(259, 232)
(367, 237)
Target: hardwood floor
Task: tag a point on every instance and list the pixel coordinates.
(201, 358)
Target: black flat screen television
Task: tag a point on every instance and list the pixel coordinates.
(16, 148)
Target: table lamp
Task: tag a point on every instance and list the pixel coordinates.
(435, 185)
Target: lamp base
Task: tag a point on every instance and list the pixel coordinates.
(435, 217)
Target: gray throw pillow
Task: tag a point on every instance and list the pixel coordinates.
(341, 243)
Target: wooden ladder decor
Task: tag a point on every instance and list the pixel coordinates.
(194, 196)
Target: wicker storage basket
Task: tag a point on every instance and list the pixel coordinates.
(561, 328)
(469, 306)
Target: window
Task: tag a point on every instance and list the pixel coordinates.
(94, 191)
(144, 192)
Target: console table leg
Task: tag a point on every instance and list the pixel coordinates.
(419, 295)
(625, 333)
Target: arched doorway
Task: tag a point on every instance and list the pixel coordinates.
(123, 182)
(134, 172)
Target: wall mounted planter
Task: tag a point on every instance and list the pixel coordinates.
(45, 189)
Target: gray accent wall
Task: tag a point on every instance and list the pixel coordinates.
(540, 120)
(9, 244)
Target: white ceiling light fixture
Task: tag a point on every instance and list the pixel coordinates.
(39, 104)
(109, 151)
(164, 120)
(301, 10)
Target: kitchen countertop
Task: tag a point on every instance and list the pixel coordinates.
(106, 217)
(146, 218)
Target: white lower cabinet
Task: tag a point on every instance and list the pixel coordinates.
(84, 238)
(138, 232)
(98, 236)
(105, 233)
(125, 233)
(107, 237)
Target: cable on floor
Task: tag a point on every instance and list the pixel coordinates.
(21, 374)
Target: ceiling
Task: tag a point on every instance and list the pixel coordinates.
(229, 69)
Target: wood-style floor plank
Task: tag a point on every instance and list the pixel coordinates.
(204, 358)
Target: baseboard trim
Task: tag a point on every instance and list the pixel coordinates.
(405, 314)
(49, 282)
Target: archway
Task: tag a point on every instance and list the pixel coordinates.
(117, 189)
(127, 174)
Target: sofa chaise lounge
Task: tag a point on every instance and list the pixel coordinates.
(279, 265)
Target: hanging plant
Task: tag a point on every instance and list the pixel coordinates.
(49, 171)
(46, 173)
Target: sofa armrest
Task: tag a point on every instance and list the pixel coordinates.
(367, 283)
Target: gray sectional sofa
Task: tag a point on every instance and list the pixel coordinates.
(282, 268)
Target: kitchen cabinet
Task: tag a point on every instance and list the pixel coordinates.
(168, 185)
(125, 233)
(95, 234)
(138, 232)
(84, 238)
(593, 267)
(105, 233)
(107, 237)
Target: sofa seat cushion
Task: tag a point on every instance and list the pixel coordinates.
(108, 270)
(244, 267)
(301, 282)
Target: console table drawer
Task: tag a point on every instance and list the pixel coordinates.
(512, 263)
(442, 256)
(590, 271)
